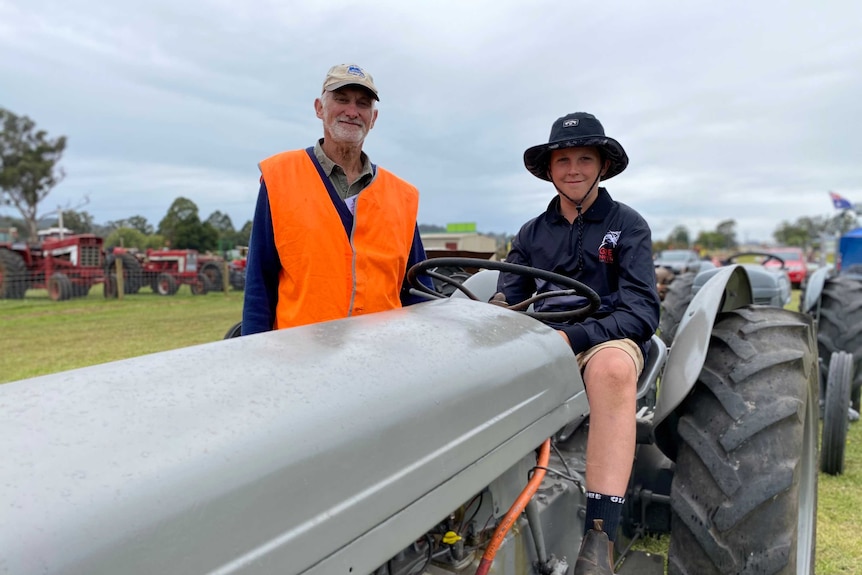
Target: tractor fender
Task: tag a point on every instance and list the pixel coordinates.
(729, 288)
(813, 289)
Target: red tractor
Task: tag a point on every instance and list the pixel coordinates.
(66, 266)
(213, 267)
(166, 270)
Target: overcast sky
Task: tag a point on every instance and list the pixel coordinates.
(739, 110)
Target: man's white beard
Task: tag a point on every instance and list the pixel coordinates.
(351, 133)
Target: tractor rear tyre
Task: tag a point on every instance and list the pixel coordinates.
(212, 271)
(744, 493)
(840, 325)
(13, 275)
(132, 276)
(59, 287)
(676, 300)
(166, 284)
(835, 420)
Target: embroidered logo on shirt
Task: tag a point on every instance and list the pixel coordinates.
(606, 249)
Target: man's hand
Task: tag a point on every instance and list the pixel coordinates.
(499, 299)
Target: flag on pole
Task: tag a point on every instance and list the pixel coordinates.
(840, 203)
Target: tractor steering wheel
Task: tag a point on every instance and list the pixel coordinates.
(766, 255)
(574, 287)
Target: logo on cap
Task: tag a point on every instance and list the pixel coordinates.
(570, 123)
(356, 71)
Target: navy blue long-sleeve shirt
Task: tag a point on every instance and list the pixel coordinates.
(263, 266)
(616, 252)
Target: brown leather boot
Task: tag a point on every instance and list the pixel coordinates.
(594, 556)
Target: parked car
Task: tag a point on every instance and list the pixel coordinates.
(794, 263)
(677, 261)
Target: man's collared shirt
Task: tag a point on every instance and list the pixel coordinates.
(338, 177)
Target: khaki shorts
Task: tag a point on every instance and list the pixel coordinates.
(626, 345)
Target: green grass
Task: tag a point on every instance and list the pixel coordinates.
(41, 337)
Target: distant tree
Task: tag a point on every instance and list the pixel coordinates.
(797, 234)
(133, 238)
(202, 237)
(727, 229)
(844, 222)
(139, 223)
(224, 226)
(28, 165)
(7, 222)
(712, 241)
(243, 236)
(679, 237)
(126, 238)
(808, 231)
(78, 222)
(182, 227)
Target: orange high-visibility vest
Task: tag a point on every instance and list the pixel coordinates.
(325, 275)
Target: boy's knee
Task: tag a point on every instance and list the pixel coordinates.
(612, 371)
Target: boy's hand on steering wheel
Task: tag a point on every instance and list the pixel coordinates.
(499, 299)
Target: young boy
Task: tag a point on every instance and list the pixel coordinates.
(586, 235)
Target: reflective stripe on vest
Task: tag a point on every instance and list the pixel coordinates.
(325, 275)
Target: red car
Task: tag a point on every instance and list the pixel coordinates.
(794, 263)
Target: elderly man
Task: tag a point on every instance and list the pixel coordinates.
(333, 234)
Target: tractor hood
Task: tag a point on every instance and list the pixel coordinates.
(297, 451)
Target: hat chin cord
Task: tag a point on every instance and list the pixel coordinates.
(587, 195)
(580, 220)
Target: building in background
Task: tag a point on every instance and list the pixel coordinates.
(459, 240)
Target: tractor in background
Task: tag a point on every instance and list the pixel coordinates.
(213, 267)
(164, 271)
(833, 297)
(66, 265)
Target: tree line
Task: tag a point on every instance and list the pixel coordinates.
(806, 233)
(29, 170)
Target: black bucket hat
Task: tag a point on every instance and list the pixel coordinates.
(572, 131)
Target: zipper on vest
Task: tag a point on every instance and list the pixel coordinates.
(353, 258)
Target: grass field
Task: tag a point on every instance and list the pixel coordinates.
(41, 337)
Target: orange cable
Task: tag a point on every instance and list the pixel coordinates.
(516, 509)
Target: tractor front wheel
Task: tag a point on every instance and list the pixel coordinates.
(166, 284)
(744, 493)
(201, 286)
(59, 287)
(835, 420)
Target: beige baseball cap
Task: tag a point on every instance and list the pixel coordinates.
(347, 75)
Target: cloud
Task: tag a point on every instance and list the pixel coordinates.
(728, 110)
